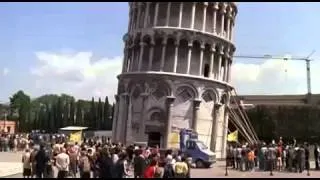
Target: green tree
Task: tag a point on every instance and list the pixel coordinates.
(65, 113)
(100, 123)
(72, 112)
(58, 113)
(20, 106)
(93, 113)
(106, 116)
(79, 115)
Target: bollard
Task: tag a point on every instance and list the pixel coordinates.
(226, 173)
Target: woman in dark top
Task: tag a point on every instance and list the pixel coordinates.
(105, 164)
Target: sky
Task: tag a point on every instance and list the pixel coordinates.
(77, 48)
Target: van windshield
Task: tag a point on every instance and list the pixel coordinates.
(201, 145)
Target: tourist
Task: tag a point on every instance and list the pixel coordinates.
(62, 163)
(168, 171)
(41, 161)
(150, 171)
(26, 160)
(138, 164)
(181, 168)
(84, 165)
(105, 164)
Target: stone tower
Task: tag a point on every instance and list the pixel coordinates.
(176, 73)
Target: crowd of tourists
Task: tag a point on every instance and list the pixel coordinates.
(291, 157)
(99, 158)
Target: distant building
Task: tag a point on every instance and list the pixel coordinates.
(7, 126)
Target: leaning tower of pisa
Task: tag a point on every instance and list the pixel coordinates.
(176, 73)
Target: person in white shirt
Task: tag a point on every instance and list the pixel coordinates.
(62, 163)
(26, 164)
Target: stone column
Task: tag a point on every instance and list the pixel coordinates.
(211, 67)
(125, 59)
(143, 117)
(193, 15)
(146, 15)
(155, 20)
(219, 125)
(169, 103)
(180, 14)
(196, 108)
(225, 72)
(229, 69)
(223, 11)
(151, 48)
(124, 120)
(142, 44)
(201, 59)
(176, 54)
(214, 126)
(128, 130)
(214, 19)
(228, 25)
(132, 58)
(225, 126)
(205, 5)
(219, 63)
(130, 20)
(115, 119)
(189, 56)
(232, 30)
(168, 14)
(163, 53)
(133, 20)
(139, 15)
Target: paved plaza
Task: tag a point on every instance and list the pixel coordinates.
(11, 167)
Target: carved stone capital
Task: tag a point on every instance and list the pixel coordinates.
(202, 46)
(196, 103)
(170, 99)
(217, 105)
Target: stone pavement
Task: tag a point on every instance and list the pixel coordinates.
(10, 163)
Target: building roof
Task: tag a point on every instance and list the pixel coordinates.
(73, 128)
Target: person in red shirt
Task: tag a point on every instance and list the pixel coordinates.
(150, 171)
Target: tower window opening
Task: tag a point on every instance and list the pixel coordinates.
(206, 70)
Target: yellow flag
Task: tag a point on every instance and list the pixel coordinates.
(233, 137)
(76, 137)
(174, 140)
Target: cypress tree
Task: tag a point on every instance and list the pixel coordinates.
(79, 118)
(106, 114)
(72, 112)
(92, 114)
(99, 124)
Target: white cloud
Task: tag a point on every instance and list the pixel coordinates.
(274, 77)
(5, 71)
(78, 75)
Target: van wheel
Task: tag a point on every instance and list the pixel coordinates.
(199, 163)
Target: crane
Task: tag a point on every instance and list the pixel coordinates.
(267, 56)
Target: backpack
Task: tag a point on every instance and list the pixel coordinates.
(86, 164)
(168, 171)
